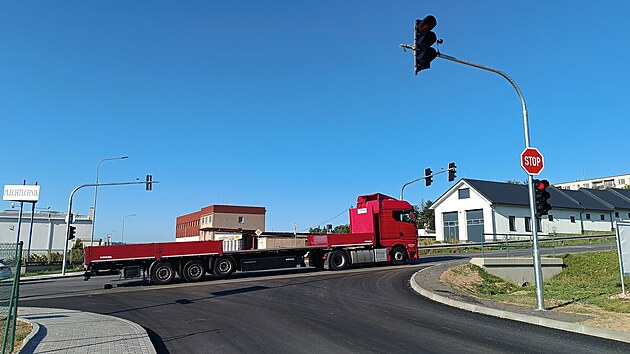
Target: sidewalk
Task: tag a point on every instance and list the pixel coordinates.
(427, 283)
(71, 331)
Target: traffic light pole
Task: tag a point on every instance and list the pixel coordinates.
(69, 216)
(537, 266)
(402, 189)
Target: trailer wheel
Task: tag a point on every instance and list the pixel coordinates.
(162, 273)
(339, 260)
(194, 270)
(224, 267)
(399, 256)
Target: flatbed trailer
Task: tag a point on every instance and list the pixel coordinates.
(382, 229)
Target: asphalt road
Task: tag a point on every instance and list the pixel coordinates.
(368, 310)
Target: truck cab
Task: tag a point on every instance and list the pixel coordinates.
(382, 229)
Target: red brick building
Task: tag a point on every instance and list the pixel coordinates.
(216, 222)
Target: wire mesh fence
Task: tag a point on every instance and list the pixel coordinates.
(10, 264)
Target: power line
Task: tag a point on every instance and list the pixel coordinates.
(321, 223)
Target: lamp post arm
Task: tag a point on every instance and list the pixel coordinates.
(69, 221)
(505, 76)
(538, 276)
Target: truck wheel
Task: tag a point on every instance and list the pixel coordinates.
(399, 256)
(339, 260)
(162, 273)
(194, 270)
(224, 267)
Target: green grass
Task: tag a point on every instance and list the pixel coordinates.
(22, 330)
(588, 278)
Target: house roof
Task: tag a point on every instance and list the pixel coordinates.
(517, 194)
(586, 200)
(609, 196)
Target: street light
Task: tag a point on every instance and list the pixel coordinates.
(122, 234)
(96, 192)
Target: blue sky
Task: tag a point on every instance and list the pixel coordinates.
(299, 106)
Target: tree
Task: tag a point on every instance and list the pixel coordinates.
(76, 253)
(316, 230)
(513, 181)
(341, 229)
(425, 217)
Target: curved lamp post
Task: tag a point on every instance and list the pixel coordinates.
(122, 234)
(96, 192)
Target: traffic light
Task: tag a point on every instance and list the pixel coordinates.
(428, 176)
(149, 182)
(423, 39)
(452, 170)
(73, 232)
(541, 195)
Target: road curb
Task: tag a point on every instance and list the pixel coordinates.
(147, 346)
(545, 322)
(50, 276)
(30, 336)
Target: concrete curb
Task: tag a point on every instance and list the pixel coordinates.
(545, 322)
(30, 336)
(50, 276)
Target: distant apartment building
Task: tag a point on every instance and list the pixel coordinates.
(220, 222)
(621, 181)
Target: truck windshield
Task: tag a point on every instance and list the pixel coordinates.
(404, 216)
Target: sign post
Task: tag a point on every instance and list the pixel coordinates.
(623, 249)
(22, 193)
(533, 163)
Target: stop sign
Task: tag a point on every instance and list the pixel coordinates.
(532, 161)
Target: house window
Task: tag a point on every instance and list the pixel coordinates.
(463, 193)
(622, 181)
(573, 219)
(241, 219)
(538, 225)
(588, 216)
(512, 223)
(550, 217)
(528, 224)
(616, 214)
(602, 217)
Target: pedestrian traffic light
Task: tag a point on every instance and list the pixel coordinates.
(541, 196)
(72, 233)
(149, 182)
(452, 170)
(423, 39)
(428, 176)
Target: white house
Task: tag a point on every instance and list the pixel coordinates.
(475, 209)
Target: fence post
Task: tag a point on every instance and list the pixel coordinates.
(507, 246)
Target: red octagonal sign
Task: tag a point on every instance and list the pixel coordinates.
(532, 161)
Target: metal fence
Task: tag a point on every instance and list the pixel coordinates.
(511, 242)
(10, 263)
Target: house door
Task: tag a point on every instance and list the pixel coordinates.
(451, 227)
(474, 225)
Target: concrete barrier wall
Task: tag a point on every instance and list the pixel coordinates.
(519, 270)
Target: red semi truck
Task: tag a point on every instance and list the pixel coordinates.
(382, 229)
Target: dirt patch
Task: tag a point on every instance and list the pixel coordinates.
(600, 318)
(461, 278)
